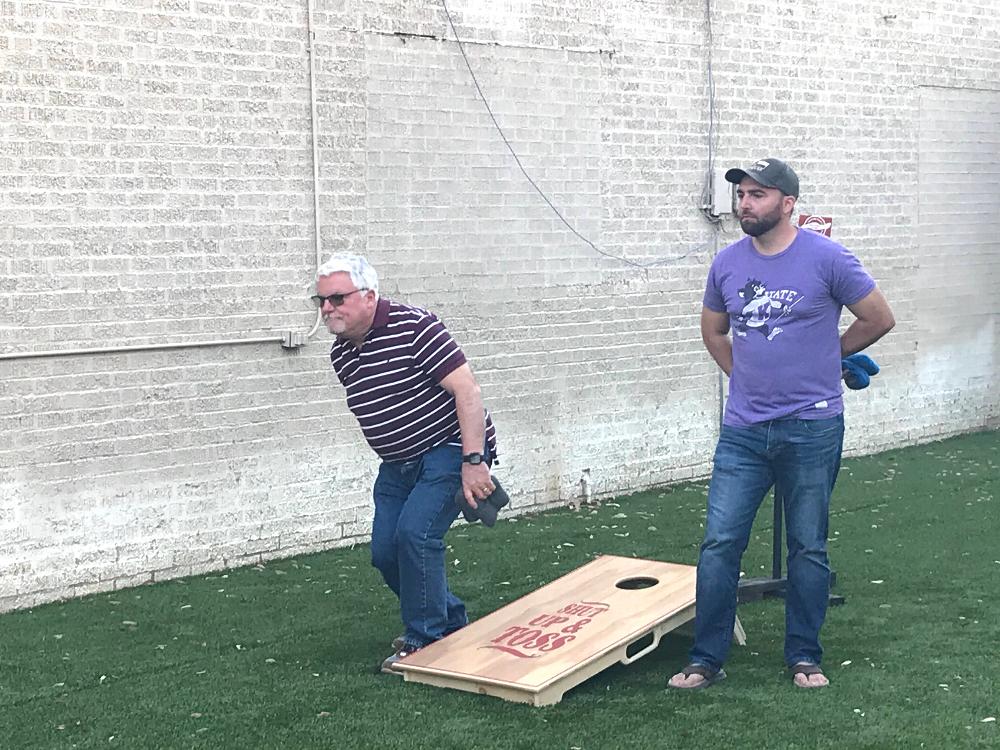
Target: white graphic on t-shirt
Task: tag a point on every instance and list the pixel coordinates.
(763, 309)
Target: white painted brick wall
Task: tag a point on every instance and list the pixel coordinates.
(958, 277)
(156, 186)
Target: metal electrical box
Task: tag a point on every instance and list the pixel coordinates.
(722, 194)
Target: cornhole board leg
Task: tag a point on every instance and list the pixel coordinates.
(739, 633)
(542, 698)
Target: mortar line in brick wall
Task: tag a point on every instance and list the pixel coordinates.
(955, 87)
(404, 35)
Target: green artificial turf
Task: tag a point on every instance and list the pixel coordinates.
(283, 655)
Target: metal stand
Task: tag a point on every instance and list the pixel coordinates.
(754, 589)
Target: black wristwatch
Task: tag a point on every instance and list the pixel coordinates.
(472, 458)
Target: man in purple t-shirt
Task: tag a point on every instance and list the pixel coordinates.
(779, 292)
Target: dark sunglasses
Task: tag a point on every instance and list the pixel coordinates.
(336, 300)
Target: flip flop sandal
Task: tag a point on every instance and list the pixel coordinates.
(807, 670)
(711, 676)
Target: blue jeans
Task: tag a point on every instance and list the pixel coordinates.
(801, 457)
(414, 507)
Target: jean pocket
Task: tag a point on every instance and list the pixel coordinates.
(822, 426)
(443, 462)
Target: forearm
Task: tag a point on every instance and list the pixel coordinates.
(471, 419)
(720, 346)
(860, 335)
(462, 385)
(874, 319)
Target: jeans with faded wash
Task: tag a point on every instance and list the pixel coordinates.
(801, 458)
(414, 508)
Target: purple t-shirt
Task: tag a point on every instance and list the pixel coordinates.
(784, 312)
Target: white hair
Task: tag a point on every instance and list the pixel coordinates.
(363, 276)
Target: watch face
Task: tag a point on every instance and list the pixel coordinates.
(473, 458)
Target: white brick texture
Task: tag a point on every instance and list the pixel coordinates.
(156, 187)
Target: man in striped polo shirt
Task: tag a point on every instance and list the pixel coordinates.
(420, 409)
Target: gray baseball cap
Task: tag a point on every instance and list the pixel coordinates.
(769, 172)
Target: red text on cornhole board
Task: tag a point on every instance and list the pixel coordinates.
(548, 631)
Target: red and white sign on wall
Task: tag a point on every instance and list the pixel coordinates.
(821, 224)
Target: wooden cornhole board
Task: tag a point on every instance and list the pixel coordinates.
(536, 648)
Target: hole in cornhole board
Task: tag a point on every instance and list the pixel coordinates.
(636, 583)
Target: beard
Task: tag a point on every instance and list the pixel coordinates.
(335, 326)
(755, 227)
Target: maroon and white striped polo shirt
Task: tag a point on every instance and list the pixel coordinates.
(393, 383)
